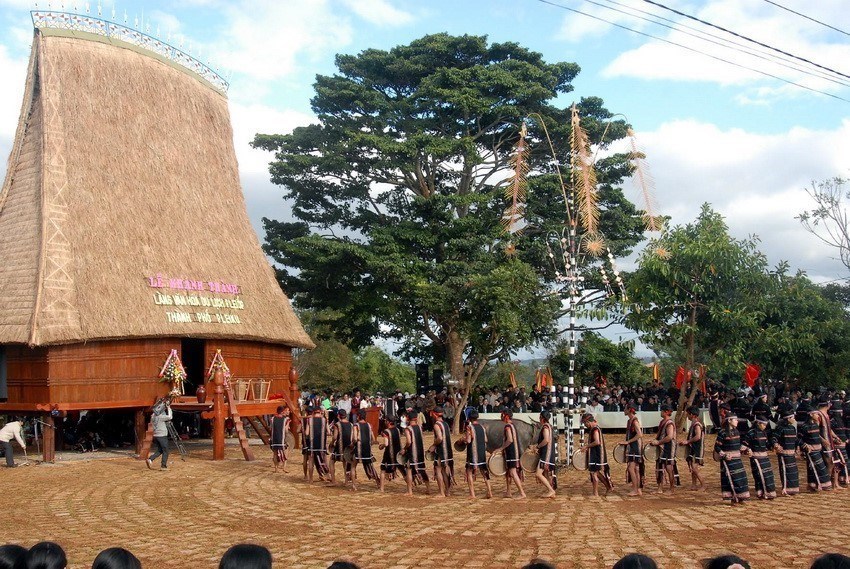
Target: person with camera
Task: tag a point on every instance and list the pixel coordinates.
(160, 418)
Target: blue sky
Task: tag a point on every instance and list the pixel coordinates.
(712, 132)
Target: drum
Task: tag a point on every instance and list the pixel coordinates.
(401, 458)
(289, 441)
(579, 461)
(430, 456)
(528, 461)
(620, 453)
(651, 453)
(682, 452)
(348, 455)
(496, 464)
(459, 445)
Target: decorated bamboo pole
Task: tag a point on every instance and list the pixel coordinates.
(218, 415)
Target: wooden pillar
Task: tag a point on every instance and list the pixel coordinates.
(140, 428)
(49, 439)
(218, 416)
(295, 412)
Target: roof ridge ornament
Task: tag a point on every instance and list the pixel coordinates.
(61, 20)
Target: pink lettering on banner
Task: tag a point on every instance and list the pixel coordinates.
(174, 283)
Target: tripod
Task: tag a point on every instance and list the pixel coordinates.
(172, 431)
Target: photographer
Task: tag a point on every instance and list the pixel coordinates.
(160, 420)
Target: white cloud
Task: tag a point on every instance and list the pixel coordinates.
(13, 71)
(264, 39)
(761, 21)
(251, 119)
(379, 12)
(755, 181)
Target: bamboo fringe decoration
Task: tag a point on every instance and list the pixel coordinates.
(642, 178)
(583, 180)
(515, 191)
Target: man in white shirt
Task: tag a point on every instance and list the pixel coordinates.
(595, 408)
(13, 430)
(344, 404)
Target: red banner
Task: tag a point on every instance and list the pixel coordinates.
(751, 374)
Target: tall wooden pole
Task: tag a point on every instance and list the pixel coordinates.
(49, 440)
(140, 427)
(218, 415)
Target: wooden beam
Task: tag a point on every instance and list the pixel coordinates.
(49, 439)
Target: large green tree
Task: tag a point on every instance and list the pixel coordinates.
(597, 355)
(398, 195)
(695, 289)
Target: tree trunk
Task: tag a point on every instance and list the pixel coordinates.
(684, 400)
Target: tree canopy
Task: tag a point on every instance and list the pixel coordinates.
(397, 195)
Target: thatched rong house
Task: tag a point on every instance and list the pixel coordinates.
(124, 232)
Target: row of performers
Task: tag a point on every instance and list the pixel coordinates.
(349, 440)
(821, 440)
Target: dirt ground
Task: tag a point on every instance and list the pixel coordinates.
(189, 515)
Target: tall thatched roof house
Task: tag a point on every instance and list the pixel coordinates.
(123, 229)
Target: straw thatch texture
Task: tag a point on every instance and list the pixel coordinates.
(135, 175)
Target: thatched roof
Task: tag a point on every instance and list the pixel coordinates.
(123, 168)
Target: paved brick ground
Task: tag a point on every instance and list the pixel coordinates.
(190, 515)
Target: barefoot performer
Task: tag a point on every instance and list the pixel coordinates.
(665, 466)
(342, 435)
(443, 455)
(414, 450)
(696, 448)
(512, 455)
(634, 454)
(280, 425)
(597, 458)
(392, 446)
(785, 444)
(546, 453)
(733, 477)
(362, 442)
(476, 454)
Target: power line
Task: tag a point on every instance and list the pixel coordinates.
(717, 40)
(694, 50)
(807, 17)
(743, 37)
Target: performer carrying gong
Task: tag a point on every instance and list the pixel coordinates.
(597, 459)
(317, 437)
(665, 465)
(280, 426)
(476, 454)
(362, 443)
(341, 437)
(696, 448)
(512, 455)
(634, 456)
(392, 446)
(443, 456)
(545, 448)
(415, 452)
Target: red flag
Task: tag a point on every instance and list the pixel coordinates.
(751, 374)
(680, 377)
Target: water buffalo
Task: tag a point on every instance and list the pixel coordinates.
(526, 433)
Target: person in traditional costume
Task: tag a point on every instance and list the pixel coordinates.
(597, 456)
(342, 437)
(305, 443)
(758, 443)
(545, 447)
(362, 442)
(695, 442)
(634, 452)
(391, 446)
(810, 442)
(280, 425)
(828, 440)
(665, 438)
(476, 454)
(512, 454)
(414, 450)
(784, 442)
(839, 431)
(317, 438)
(733, 477)
(443, 454)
